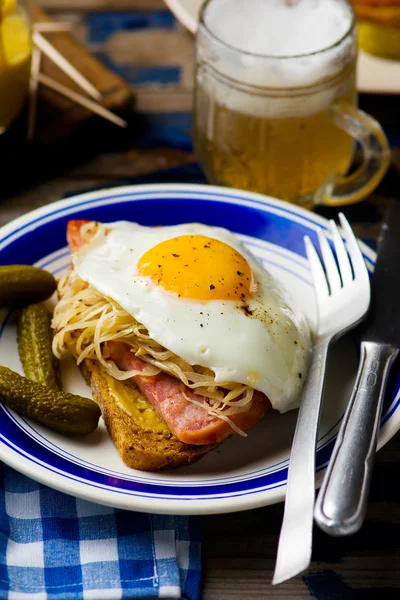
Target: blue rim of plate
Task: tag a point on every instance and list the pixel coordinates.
(42, 233)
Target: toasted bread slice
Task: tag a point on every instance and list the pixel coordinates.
(141, 445)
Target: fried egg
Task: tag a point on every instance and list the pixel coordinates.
(204, 297)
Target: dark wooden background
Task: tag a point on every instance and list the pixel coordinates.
(155, 56)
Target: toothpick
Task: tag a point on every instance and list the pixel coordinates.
(66, 66)
(82, 100)
(33, 89)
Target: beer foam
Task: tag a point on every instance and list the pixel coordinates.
(280, 45)
(278, 27)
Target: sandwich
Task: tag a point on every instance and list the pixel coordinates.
(183, 336)
(379, 27)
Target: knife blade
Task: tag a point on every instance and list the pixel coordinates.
(342, 500)
(382, 324)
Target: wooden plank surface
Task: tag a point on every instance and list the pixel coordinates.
(103, 170)
(240, 549)
(101, 5)
(132, 49)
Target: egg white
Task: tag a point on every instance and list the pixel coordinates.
(268, 351)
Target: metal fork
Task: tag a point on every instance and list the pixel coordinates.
(342, 292)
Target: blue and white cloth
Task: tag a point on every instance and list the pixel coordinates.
(56, 547)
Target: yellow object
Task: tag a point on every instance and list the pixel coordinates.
(198, 267)
(380, 40)
(8, 7)
(16, 40)
(15, 60)
(131, 400)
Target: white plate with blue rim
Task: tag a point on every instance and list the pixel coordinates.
(242, 473)
(375, 75)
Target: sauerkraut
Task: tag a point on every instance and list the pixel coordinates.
(84, 321)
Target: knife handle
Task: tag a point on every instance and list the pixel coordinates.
(342, 500)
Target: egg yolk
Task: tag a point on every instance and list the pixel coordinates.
(199, 268)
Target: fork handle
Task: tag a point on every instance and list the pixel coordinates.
(342, 500)
(295, 541)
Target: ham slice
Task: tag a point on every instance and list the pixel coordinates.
(189, 422)
(74, 237)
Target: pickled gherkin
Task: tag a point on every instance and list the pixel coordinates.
(34, 346)
(61, 411)
(21, 285)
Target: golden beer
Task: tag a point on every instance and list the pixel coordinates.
(284, 126)
(287, 157)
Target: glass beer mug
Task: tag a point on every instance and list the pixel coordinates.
(276, 102)
(15, 59)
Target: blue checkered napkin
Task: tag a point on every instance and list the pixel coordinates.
(56, 547)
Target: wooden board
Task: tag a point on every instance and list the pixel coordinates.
(58, 116)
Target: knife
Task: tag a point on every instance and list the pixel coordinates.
(342, 501)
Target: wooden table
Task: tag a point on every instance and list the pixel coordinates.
(238, 549)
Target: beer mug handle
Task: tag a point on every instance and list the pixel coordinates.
(376, 157)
